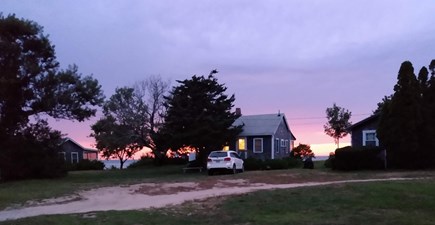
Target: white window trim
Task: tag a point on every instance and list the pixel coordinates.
(282, 143)
(277, 150)
(364, 132)
(64, 155)
(72, 157)
(286, 146)
(253, 146)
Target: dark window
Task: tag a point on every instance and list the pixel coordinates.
(258, 145)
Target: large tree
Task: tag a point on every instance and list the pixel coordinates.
(32, 87)
(132, 117)
(401, 119)
(199, 115)
(338, 123)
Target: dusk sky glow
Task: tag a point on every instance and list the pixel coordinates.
(296, 57)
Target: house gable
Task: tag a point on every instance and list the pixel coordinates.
(73, 152)
(363, 133)
(272, 129)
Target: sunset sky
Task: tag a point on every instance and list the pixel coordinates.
(296, 57)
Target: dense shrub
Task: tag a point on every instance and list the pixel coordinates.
(143, 161)
(271, 164)
(330, 161)
(253, 164)
(293, 162)
(24, 157)
(85, 165)
(176, 161)
(275, 164)
(349, 158)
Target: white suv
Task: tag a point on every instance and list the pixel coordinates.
(224, 160)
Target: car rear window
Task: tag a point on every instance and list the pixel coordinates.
(218, 154)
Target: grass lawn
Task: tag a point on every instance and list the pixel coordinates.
(393, 202)
(80, 180)
(35, 190)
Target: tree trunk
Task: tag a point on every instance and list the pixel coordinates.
(121, 166)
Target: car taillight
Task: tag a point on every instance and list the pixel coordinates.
(227, 159)
(208, 160)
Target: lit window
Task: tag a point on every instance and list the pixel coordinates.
(241, 144)
(369, 138)
(258, 145)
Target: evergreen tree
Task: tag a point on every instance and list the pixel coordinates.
(426, 131)
(398, 128)
(199, 116)
(429, 103)
(31, 85)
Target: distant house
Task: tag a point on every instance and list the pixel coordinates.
(363, 133)
(73, 152)
(264, 136)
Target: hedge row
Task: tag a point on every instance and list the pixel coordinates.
(85, 165)
(349, 158)
(271, 164)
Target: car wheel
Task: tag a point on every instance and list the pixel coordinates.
(210, 172)
(234, 169)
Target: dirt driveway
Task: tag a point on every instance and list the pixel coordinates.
(151, 195)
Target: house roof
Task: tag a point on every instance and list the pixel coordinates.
(74, 142)
(266, 124)
(365, 121)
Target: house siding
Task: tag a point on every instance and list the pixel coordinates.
(357, 132)
(269, 127)
(249, 153)
(282, 133)
(69, 147)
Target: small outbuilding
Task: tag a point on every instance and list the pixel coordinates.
(266, 136)
(73, 152)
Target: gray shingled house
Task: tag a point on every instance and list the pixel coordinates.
(73, 152)
(363, 133)
(265, 136)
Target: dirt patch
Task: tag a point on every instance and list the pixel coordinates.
(174, 188)
(166, 188)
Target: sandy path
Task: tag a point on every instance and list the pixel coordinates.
(131, 198)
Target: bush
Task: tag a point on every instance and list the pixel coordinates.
(85, 165)
(330, 161)
(143, 161)
(253, 164)
(293, 162)
(275, 164)
(271, 164)
(176, 161)
(349, 158)
(28, 158)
